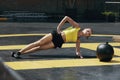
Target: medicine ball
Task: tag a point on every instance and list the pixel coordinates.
(105, 52)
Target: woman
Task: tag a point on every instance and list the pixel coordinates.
(57, 38)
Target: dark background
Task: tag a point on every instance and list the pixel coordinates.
(55, 10)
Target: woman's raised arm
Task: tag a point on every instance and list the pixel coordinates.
(67, 19)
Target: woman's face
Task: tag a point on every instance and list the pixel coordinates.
(87, 32)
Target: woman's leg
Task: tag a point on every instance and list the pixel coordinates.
(49, 45)
(46, 39)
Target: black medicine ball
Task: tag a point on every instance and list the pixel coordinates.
(105, 52)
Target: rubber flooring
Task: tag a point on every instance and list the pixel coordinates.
(60, 64)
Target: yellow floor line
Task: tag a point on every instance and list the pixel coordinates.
(11, 47)
(42, 34)
(91, 46)
(17, 35)
(25, 65)
(103, 35)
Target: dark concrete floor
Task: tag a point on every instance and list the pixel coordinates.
(108, 72)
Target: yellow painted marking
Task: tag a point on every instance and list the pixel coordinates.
(42, 34)
(103, 35)
(24, 65)
(17, 35)
(91, 46)
(11, 47)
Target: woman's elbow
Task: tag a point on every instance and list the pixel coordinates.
(66, 17)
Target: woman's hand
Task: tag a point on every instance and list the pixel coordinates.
(79, 55)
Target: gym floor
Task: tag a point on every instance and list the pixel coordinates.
(60, 64)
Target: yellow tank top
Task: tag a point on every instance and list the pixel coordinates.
(71, 34)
